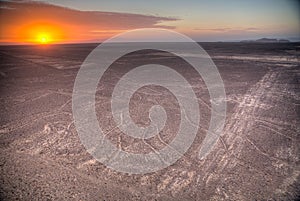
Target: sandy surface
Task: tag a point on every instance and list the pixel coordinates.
(256, 158)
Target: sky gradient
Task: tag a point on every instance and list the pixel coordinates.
(60, 21)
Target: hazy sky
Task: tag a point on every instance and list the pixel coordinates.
(214, 20)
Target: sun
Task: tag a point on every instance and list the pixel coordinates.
(43, 38)
(42, 33)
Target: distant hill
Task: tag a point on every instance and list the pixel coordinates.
(266, 40)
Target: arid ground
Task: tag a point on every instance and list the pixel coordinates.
(256, 158)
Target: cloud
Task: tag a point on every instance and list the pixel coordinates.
(6, 7)
(75, 24)
(230, 30)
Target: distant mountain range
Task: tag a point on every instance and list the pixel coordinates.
(266, 40)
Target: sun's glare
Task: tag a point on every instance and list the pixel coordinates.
(41, 33)
(43, 38)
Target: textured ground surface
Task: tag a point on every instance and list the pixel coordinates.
(257, 157)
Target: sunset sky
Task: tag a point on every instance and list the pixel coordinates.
(69, 21)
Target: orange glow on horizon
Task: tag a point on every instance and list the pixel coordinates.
(43, 33)
(38, 33)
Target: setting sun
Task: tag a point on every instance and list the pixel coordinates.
(40, 33)
(43, 38)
